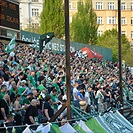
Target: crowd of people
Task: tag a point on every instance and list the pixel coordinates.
(33, 85)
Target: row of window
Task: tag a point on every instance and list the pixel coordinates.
(35, 12)
(111, 6)
(99, 33)
(112, 20)
(34, 25)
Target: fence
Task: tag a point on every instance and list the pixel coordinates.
(58, 45)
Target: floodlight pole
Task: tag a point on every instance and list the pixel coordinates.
(67, 42)
(120, 51)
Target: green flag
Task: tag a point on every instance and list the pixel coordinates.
(10, 47)
(54, 129)
(79, 129)
(94, 126)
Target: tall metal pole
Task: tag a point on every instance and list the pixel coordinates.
(67, 42)
(29, 3)
(119, 43)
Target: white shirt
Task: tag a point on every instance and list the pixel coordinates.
(75, 91)
(87, 95)
(100, 96)
(12, 54)
(42, 94)
(7, 85)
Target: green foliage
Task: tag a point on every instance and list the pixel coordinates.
(84, 26)
(52, 18)
(127, 55)
(33, 29)
(110, 40)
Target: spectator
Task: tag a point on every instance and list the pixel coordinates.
(75, 91)
(47, 109)
(5, 107)
(81, 98)
(13, 91)
(23, 76)
(3, 91)
(6, 77)
(9, 122)
(64, 113)
(88, 100)
(1, 81)
(107, 97)
(23, 89)
(18, 110)
(34, 93)
(100, 98)
(31, 115)
(1, 70)
(31, 79)
(55, 100)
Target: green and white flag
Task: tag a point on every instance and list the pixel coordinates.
(67, 128)
(10, 47)
(114, 123)
(81, 124)
(50, 128)
(94, 126)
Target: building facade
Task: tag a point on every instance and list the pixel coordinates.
(30, 11)
(107, 15)
(106, 10)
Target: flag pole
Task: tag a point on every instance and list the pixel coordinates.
(67, 42)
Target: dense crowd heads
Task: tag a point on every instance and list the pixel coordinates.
(33, 85)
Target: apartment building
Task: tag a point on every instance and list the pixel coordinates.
(106, 10)
(107, 15)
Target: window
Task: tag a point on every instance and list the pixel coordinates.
(99, 20)
(111, 6)
(70, 5)
(99, 33)
(35, 12)
(111, 20)
(123, 32)
(123, 6)
(99, 5)
(131, 20)
(123, 20)
(35, 25)
(131, 6)
(132, 34)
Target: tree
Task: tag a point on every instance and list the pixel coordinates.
(109, 39)
(84, 24)
(33, 25)
(32, 29)
(52, 18)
